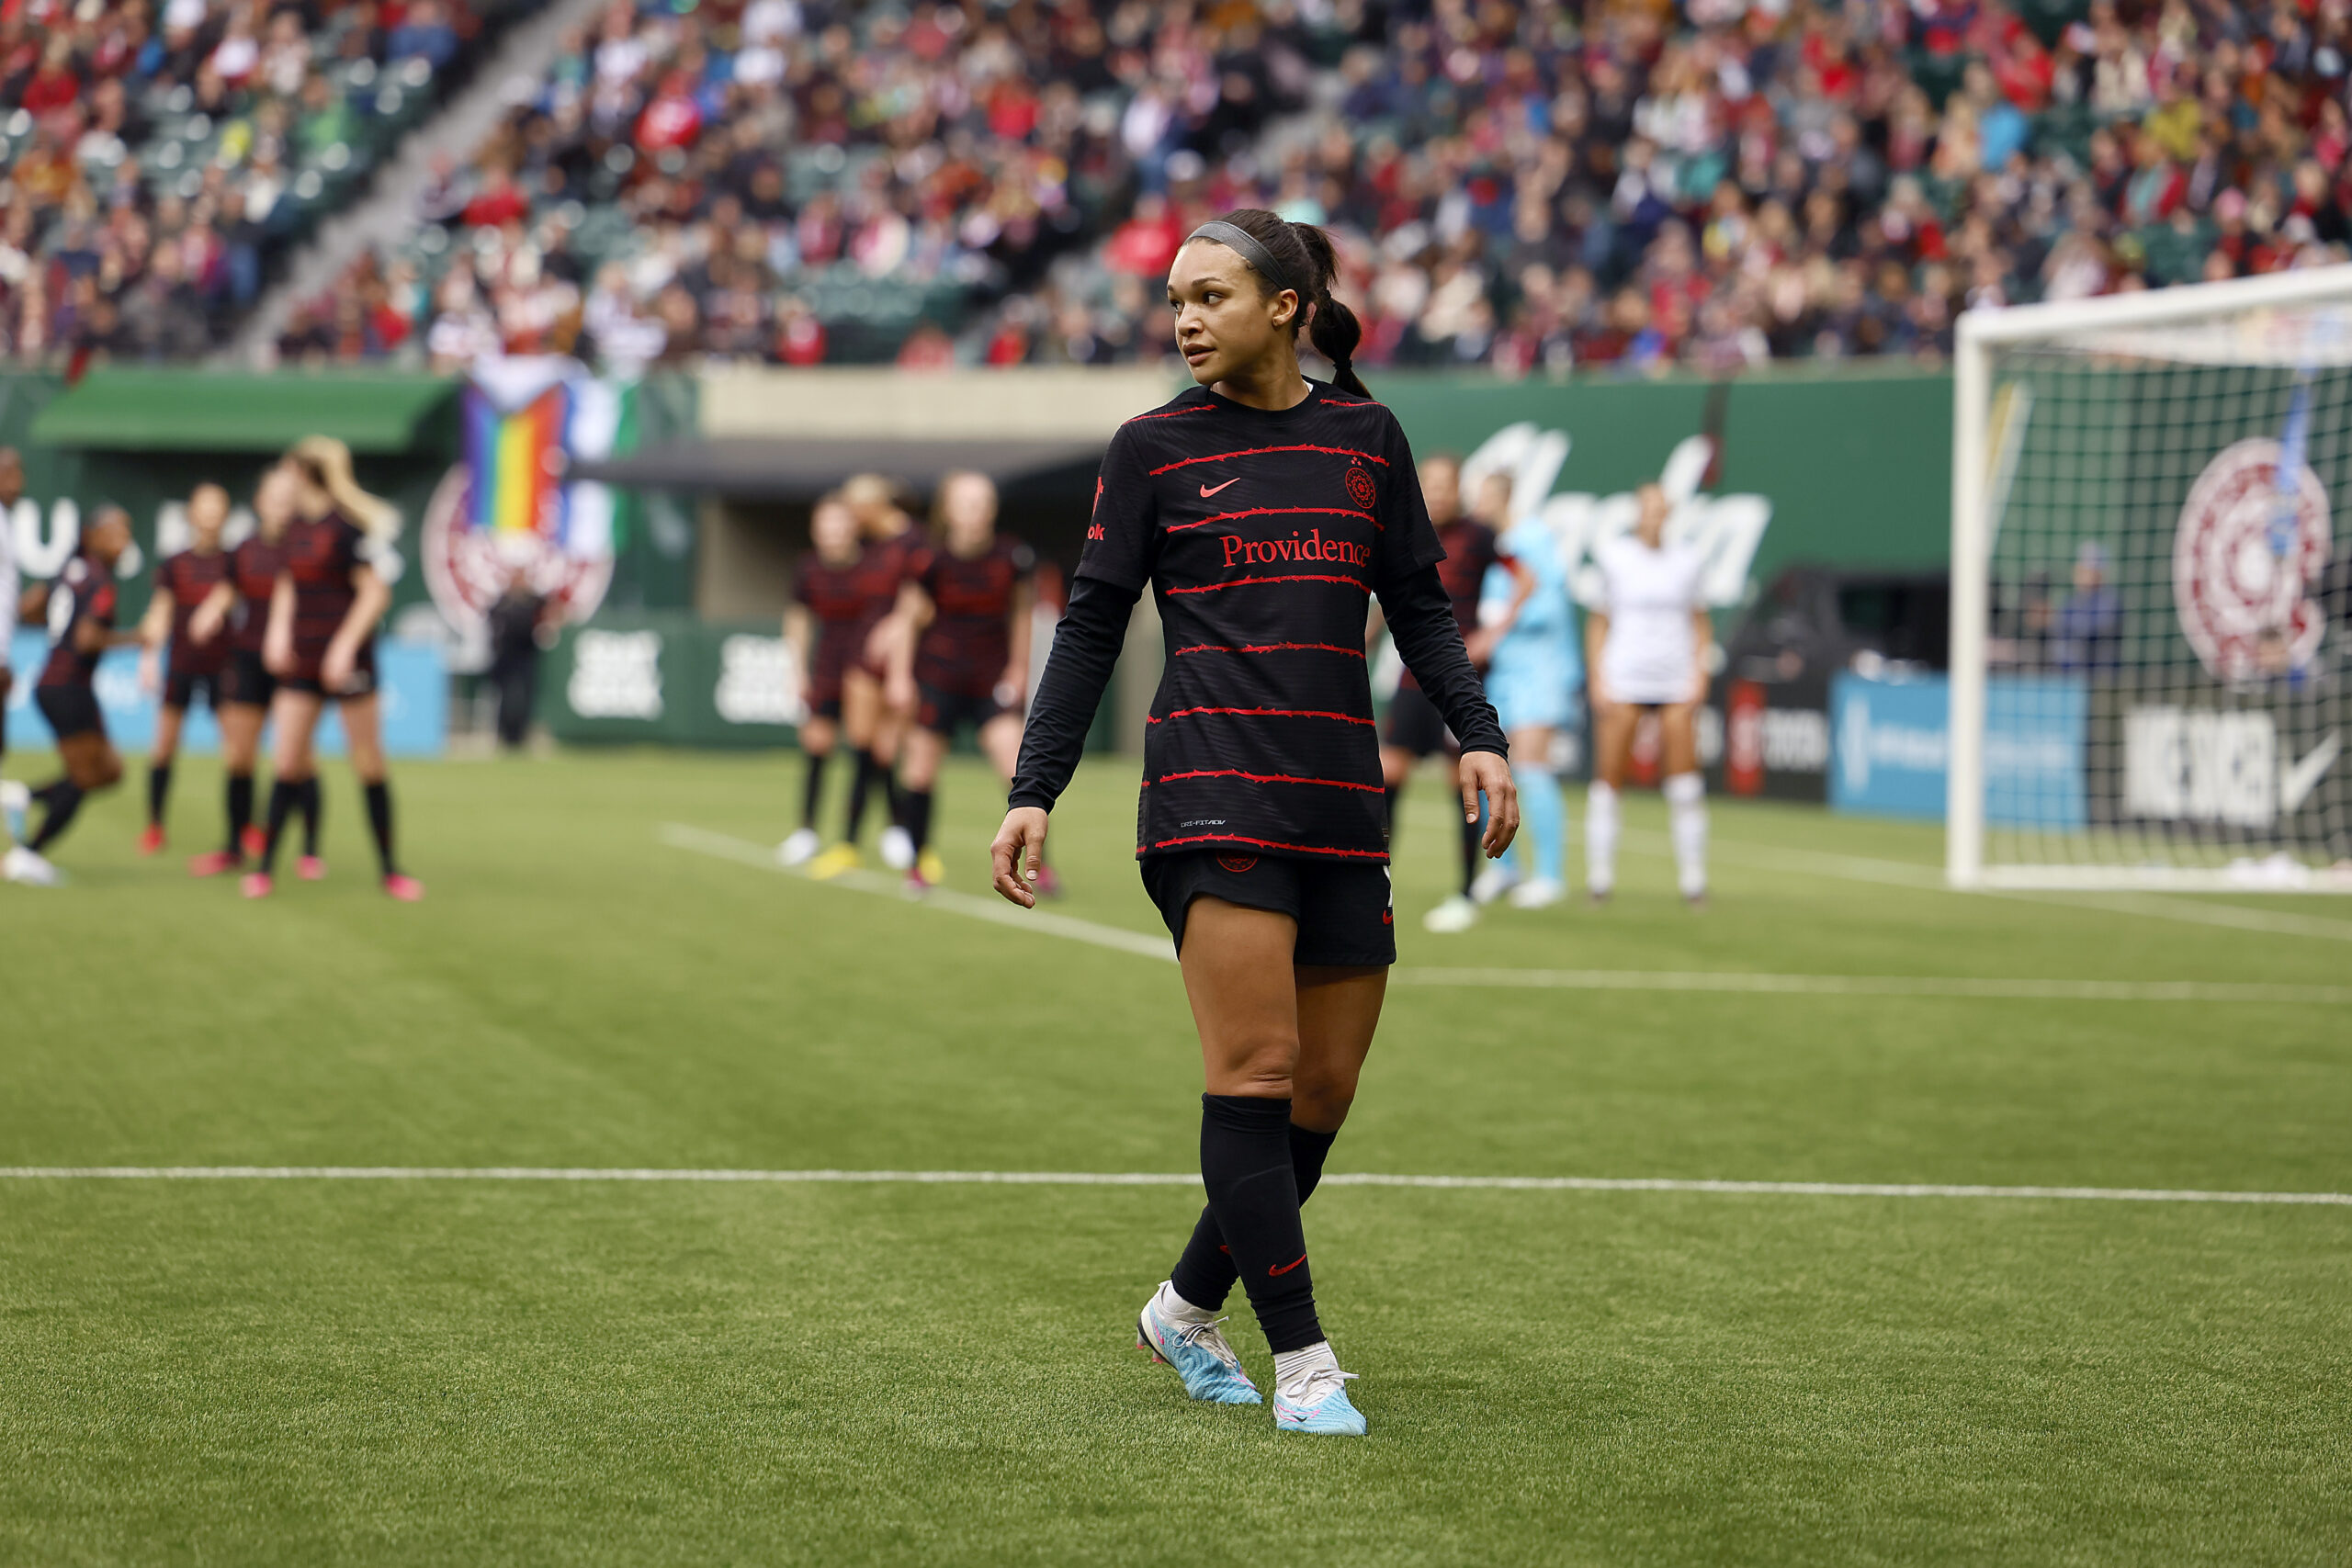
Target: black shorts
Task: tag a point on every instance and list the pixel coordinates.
(942, 712)
(247, 681)
(1415, 725)
(306, 677)
(1344, 912)
(181, 688)
(71, 710)
(826, 707)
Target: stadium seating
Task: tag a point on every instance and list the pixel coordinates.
(1523, 184)
(158, 161)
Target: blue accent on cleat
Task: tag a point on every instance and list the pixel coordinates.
(1332, 1415)
(1193, 1352)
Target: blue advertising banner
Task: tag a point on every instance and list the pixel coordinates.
(1889, 740)
(414, 701)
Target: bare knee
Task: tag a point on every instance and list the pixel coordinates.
(1321, 1105)
(1260, 1064)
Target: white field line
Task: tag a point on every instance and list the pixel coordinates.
(997, 912)
(1138, 1178)
(1904, 873)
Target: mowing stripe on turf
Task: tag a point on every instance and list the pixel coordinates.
(1875, 985)
(1136, 1179)
(997, 912)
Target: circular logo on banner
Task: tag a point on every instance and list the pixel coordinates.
(2241, 599)
(466, 566)
(1360, 488)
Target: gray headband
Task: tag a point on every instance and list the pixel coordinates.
(1247, 247)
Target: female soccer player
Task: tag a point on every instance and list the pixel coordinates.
(321, 643)
(240, 605)
(874, 728)
(1416, 727)
(965, 657)
(1645, 646)
(1531, 679)
(81, 608)
(1263, 510)
(821, 626)
(174, 662)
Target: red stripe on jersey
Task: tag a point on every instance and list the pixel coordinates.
(1263, 451)
(1245, 582)
(1275, 512)
(1274, 647)
(1264, 844)
(1262, 778)
(1263, 713)
(1172, 414)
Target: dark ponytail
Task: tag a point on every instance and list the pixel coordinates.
(1303, 253)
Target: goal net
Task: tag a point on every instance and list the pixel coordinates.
(2150, 682)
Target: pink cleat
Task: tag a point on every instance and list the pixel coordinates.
(213, 864)
(310, 868)
(152, 839)
(255, 885)
(405, 889)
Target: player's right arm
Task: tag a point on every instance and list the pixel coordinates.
(796, 634)
(278, 639)
(912, 613)
(205, 621)
(154, 631)
(1596, 638)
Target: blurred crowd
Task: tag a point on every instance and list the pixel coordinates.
(156, 156)
(1528, 183)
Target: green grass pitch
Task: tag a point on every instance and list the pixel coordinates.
(529, 1372)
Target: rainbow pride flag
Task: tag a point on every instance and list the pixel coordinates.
(517, 459)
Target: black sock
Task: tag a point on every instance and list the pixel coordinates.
(916, 817)
(1396, 795)
(240, 811)
(283, 794)
(63, 799)
(379, 822)
(1473, 837)
(159, 787)
(311, 812)
(813, 792)
(861, 785)
(1204, 1274)
(1245, 1166)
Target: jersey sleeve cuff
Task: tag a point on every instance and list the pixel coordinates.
(1029, 797)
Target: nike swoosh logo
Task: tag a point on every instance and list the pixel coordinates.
(2296, 783)
(1206, 491)
(1285, 1268)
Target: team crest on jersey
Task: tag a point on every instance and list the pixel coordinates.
(1360, 488)
(2243, 559)
(1236, 863)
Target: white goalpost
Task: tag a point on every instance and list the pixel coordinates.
(2151, 680)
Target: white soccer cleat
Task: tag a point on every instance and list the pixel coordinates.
(898, 848)
(1456, 914)
(1494, 882)
(799, 849)
(1539, 893)
(22, 865)
(15, 799)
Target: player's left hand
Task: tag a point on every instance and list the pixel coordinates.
(335, 668)
(1483, 773)
(1021, 845)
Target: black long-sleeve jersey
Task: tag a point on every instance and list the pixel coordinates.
(1263, 533)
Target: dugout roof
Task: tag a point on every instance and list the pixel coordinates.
(748, 468)
(139, 409)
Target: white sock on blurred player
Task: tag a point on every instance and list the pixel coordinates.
(1600, 839)
(1686, 809)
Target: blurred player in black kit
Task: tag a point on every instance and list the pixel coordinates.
(1264, 511)
(321, 643)
(1416, 728)
(80, 610)
(873, 726)
(965, 657)
(172, 662)
(237, 613)
(824, 628)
